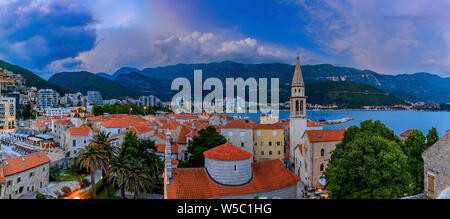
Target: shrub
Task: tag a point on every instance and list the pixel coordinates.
(54, 174)
(40, 196)
(21, 189)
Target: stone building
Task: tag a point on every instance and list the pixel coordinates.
(230, 174)
(311, 157)
(77, 139)
(239, 133)
(24, 174)
(268, 142)
(437, 169)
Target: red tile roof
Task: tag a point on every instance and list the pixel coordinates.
(17, 164)
(227, 152)
(119, 123)
(185, 131)
(83, 130)
(325, 135)
(175, 162)
(161, 148)
(170, 126)
(237, 124)
(406, 133)
(141, 129)
(314, 124)
(64, 122)
(39, 124)
(194, 183)
(268, 126)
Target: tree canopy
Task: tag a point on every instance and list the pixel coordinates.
(209, 138)
(368, 164)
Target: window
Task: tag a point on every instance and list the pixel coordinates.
(270, 143)
(235, 168)
(279, 152)
(274, 133)
(74, 143)
(10, 183)
(296, 106)
(242, 134)
(31, 174)
(270, 152)
(230, 134)
(301, 106)
(19, 179)
(262, 143)
(278, 143)
(322, 152)
(321, 167)
(262, 153)
(258, 133)
(242, 144)
(256, 143)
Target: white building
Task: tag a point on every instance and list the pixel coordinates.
(47, 98)
(54, 111)
(94, 97)
(7, 113)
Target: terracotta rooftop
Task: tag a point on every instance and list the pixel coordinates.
(325, 135)
(227, 152)
(161, 148)
(83, 130)
(268, 126)
(15, 165)
(119, 123)
(39, 124)
(406, 133)
(314, 124)
(237, 124)
(194, 183)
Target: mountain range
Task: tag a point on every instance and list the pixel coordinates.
(412, 87)
(132, 82)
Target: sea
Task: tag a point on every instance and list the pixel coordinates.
(398, 121)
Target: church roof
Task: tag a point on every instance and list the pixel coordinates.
(227, 152)
(298, 76)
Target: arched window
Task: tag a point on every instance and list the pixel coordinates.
(321, 167)
(301, 106)
(322, 152)
(296, 106)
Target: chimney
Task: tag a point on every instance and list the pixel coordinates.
(168, 158)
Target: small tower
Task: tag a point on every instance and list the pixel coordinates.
(168, 158)
(298, 120)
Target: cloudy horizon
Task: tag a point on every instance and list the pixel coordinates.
(389, 37)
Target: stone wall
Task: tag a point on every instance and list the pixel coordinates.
(289, 192)
(236, 139)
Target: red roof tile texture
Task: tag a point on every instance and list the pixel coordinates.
(161, 148)
(406, 133)
(15, 165)
(83, 130)
(325, 135)
(194, 183)
(227, 152)
(237, 124)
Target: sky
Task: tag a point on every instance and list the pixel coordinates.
(389, 37)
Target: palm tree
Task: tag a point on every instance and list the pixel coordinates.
(103, 140)
(92, 158)
(138, 180)
(118, 172)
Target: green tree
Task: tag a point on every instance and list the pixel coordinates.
(138, 180)
(97, 110)
(27, 112)
(92, 158)
(413, 147)
(103, 140)
(368, 163)
(118, 172)
(432, 137)
(370, 167)
(209, 138)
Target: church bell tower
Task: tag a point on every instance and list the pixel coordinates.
(298, 120)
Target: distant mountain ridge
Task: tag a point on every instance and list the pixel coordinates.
(415, 87)
(86, 81)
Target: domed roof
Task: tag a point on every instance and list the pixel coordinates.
(227, 152)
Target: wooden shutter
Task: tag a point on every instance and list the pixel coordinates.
(430, 184)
